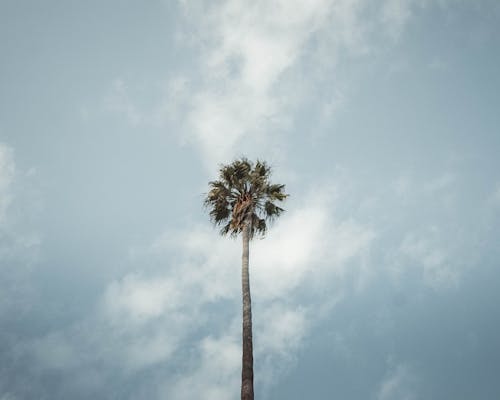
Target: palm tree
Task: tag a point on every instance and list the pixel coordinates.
(242, 201)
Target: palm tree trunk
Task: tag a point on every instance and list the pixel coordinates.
(247, 360)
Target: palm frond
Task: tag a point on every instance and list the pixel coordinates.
(243, 195)
(272, 210)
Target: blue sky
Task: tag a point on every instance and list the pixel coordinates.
(381, 280)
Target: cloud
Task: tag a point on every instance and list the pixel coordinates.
(167, 99)
(18, 244)
(215, 371)
(106, 342)
(439, 268)
(281, 329)
(8, 396)
(250, 47)
(395, 15)
(440, 183)
(215, 374)
(7, 172)
(494, 198)
(307, 245)
(252, 60)
(399, 384)
(297, 255)
(174, 308)
(19, 252)
(118, 100)
(255, 66)
(141, 299)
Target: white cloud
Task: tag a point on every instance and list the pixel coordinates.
(55, 352)
(215, 374)
(407, 186)
(250, 48)
(439, 269)
(18, 247)
(156, 316)
(252, 62)
(442, 182)
(395, 15)
(281, 329)
(8, 396)
(494, 198)
(147, 350)
(305, 248)
(111, 341)
(141, 299)
(293, 247)
(118, 100)
(7, 172)
(256, 64)
(264, 37)
(309, 245)
(123, 98)
(399, 384)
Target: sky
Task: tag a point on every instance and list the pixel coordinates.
(380, 281)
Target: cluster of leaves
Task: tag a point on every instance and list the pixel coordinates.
(244, 195)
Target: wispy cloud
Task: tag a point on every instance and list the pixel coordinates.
(213, 374)
(119, 100)
(395, 15)
(260, 61)
(439, 269)
(246, 51)
(256, 65)
(494, 198)
(7, 171)
(18, 245)
(399, 384)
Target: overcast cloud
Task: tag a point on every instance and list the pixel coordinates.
(379, 282)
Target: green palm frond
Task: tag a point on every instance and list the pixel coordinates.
(272, 210)
(259, 225)
(243, 195)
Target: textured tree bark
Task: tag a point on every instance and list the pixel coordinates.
(247, 359)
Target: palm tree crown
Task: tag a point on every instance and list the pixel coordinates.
(243, 195)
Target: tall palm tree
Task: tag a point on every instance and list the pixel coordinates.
(242, 201)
